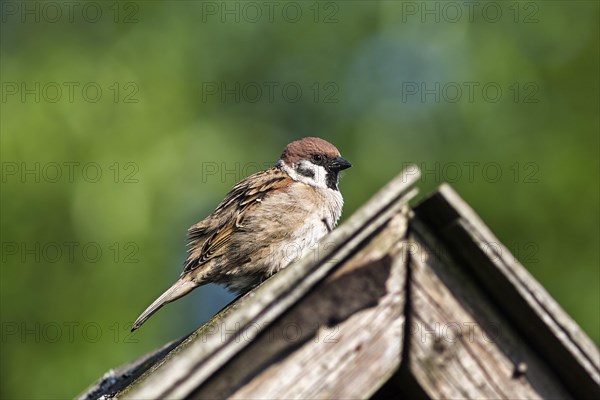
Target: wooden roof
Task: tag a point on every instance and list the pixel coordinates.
(421, 302)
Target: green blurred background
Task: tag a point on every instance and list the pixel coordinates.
(124, 123)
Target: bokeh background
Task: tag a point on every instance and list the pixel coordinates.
(124, 123)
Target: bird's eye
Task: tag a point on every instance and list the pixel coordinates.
(317, 158)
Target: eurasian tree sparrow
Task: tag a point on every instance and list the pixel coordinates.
(248, 237)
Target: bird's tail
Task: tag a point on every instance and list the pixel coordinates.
(179, 289)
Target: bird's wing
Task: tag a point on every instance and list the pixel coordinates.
(209, 238)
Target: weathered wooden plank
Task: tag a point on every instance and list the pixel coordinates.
(178, 374)
(343, 340)
(461, 345)
(119, 378)
(530, 311)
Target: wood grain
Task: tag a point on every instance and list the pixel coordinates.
(461, 345)
(542, 325)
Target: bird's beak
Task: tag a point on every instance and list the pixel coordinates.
(339, 164)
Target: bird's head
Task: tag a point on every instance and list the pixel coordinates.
(313, 161)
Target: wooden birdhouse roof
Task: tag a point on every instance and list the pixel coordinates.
(398, 301)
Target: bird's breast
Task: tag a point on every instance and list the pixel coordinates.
(308, 216)
(284, 228)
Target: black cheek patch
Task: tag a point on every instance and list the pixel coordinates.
(306, 172)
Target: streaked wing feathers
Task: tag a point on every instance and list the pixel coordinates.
(209, 238)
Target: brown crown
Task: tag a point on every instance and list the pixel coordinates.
(304, 148)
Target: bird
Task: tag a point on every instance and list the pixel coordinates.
(265, 219)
